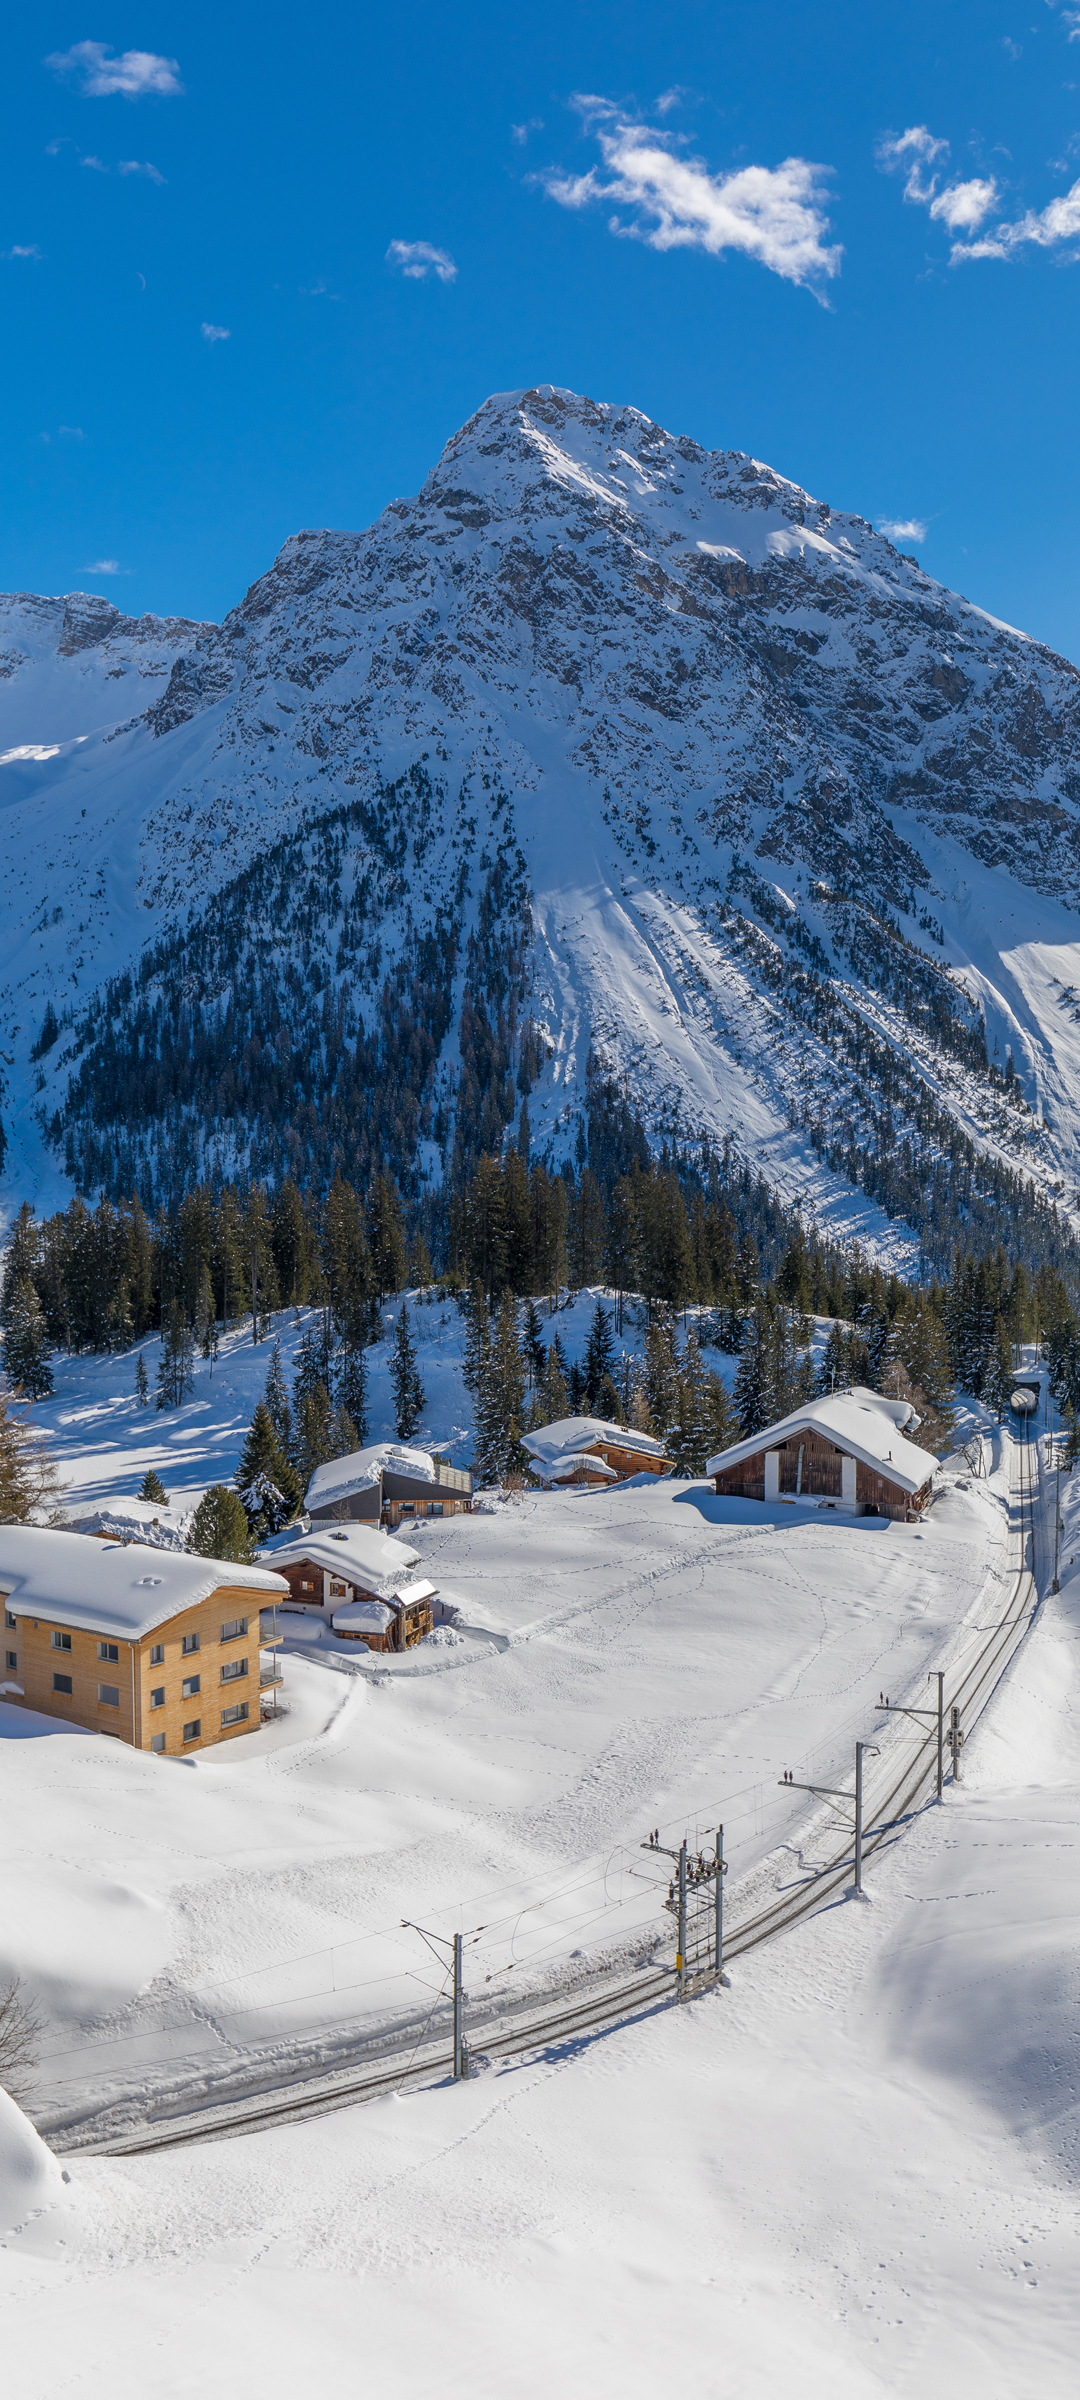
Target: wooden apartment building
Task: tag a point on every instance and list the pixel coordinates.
(155, 1647)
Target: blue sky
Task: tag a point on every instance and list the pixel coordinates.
(257, 265)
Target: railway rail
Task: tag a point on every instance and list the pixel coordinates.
(545, 2027)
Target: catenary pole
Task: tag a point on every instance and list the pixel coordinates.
(955, 1740)
(940, 1732)
(681, 1962)
(458, 2009)
(859, 1748)
(721, 1871)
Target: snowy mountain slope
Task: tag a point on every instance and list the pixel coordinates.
(786, 809)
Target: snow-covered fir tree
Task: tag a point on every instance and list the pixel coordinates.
(266, 1478)
(175, 1378)
(405, 1384)
(25, 1342)
(501, 1400)
(151, 1488)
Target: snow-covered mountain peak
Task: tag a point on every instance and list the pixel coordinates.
(703, 718)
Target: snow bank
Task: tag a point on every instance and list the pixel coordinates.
(30, 2177)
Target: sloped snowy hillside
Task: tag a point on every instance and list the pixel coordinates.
(602, 739)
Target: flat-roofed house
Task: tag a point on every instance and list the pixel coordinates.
(359, 1579)
(848, 1450)
(387, 1483)
(154, 1646)
(587, 1450)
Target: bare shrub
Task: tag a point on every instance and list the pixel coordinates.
(20, 2033)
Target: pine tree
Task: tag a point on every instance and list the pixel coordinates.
(343, 1436)
(386, 1236)
(752, 1378)
(351, 1393)
(532, 1342)
(661, 1373)
(405, 1381)
(501, 1405)
(219, 1527)
(206, 1332)
(20, 1261)
(556, 1398)
(722, 1422)
(311, 1432)
(477, 1336)
(1000, 1374)
(26, 1342)
(265, 1479)
(599, 1352)
(688, 1436)
(151, 1488)
(175, 1379)
(277, 1398)
(142, 1388)
(28, 1481)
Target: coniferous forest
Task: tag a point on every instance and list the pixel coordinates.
(663, 1234)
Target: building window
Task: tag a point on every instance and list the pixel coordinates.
(436, 1508)
(157, 1699)
(157, 1742)
(307, 1587)
(192, 1731)
(109, 1651)
(11, 1658)
(233, 1630)
(189, 1689)
(108, 1695)
(9, 1619)
(236, 1667)
(61, 1641)
(235, 1716)
(407, 1508)
(338, 1590)
(61, 1683)
(189, 1644)
(157, 1655)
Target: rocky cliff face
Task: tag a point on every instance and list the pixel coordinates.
(780, 801)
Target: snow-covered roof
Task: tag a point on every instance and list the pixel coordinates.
(358, 1553)
(579, 1433)
(361, 1469)
(860, 1422)
(362, 1616)
(124, 1520)
(113, 1587)
(410, 1593)
(570, 1463)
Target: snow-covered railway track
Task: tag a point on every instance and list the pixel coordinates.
(546, 2027)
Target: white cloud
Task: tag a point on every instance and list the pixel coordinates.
(1058, 222)
(960, 206)
(22, 250)
(1012, 49)
(71, 433)
(102, 566)
(99, 72)
(902, 529)
(774, 214)
(520, 133)
(216, 333)
(672, 98)
(140, 166)
(418, 260)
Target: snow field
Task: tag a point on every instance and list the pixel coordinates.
(850, 2175)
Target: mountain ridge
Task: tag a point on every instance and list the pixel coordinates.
(732, 736)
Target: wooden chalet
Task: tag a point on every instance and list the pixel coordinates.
(388, 1483)
(359, 1580)
(848, 1450)
(589, 1451)
(158, 1648)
